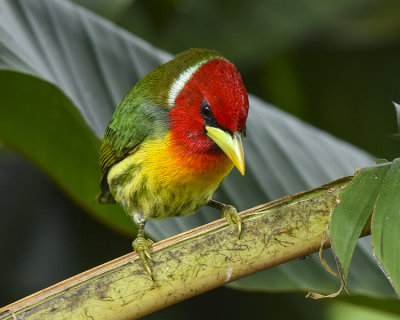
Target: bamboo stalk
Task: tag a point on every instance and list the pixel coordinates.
(190, 263)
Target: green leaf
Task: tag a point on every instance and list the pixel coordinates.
(62, 67)
(44, 125)
(343, 310)
(64, 45)
(351, 214)
(386, 226)
(372, 191)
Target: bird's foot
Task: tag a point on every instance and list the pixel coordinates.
(141, 246)
(232, 216)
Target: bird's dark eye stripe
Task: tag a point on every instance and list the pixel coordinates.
(208, 116)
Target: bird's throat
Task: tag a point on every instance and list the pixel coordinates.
(172, 164)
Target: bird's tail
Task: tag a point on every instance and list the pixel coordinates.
(105, 197)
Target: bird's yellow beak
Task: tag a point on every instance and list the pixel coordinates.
(231, 145)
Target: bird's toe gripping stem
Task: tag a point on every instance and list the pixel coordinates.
(232, 216)
(141, 246)
(229, 213)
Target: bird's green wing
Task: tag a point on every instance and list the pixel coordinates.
(107, 160)
(119, 141)
(108, 157)
(133, 121)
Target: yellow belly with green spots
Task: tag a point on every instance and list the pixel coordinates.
(161, 180)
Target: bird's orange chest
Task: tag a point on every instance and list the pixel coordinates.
(172, 166)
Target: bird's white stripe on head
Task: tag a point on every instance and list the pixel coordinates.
(180, 82)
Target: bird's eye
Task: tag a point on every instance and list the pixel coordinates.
(205, 110)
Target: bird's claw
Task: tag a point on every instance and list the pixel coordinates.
(141, 246)
(232, 216)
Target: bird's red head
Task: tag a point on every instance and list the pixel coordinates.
(208, 95)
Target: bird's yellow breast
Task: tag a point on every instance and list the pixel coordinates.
(161, 179)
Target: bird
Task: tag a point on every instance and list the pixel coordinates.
(171, 141)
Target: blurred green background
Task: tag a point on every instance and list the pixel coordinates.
(334, 64)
